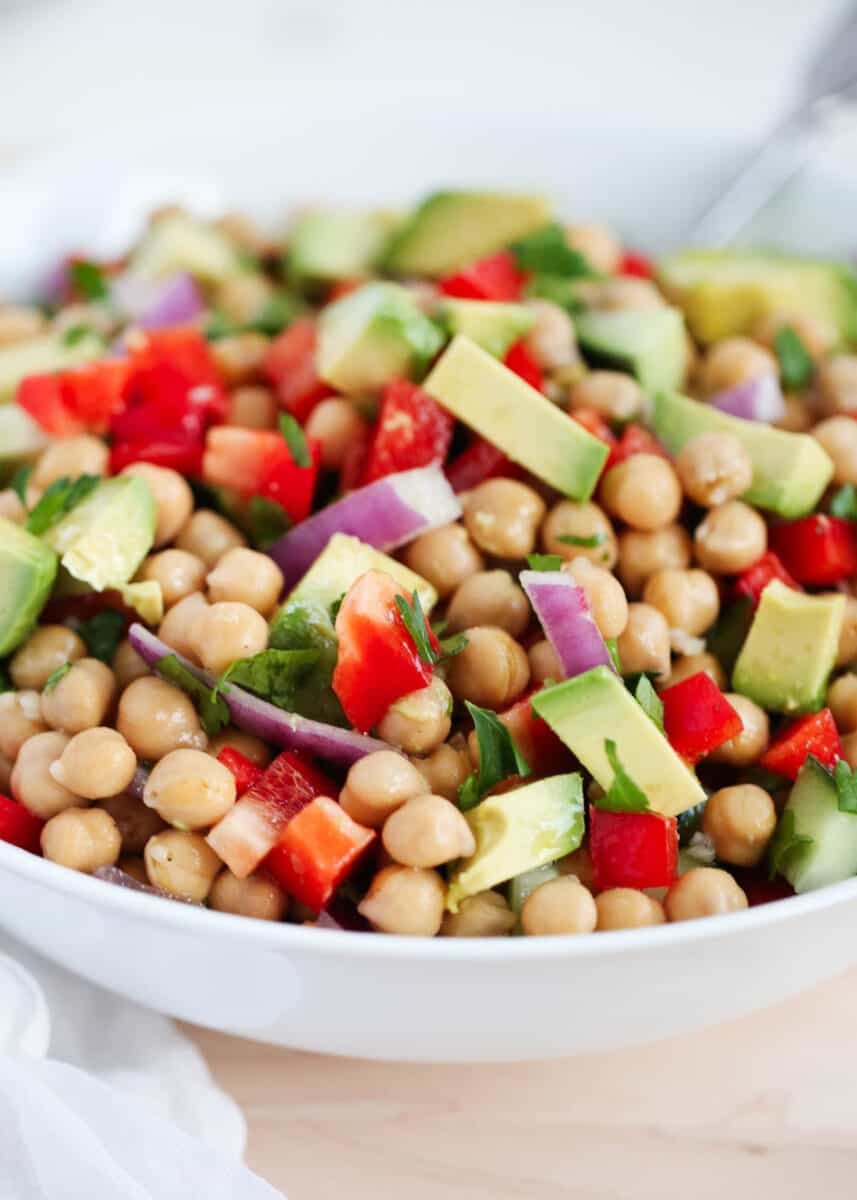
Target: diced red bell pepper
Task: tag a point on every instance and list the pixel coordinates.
(377, 661)
(495, 277)
(78, 400)
(246, 773)
(818, 550)
(177, 453)
(636, 850)
(634, 440)
(537, 742)
(254, 824)
(316, 851)
(480, 461)
(290, 366)
(291, 486)
(815, 734)
(637, 265)
(412, 431)
(593, 422)
(520, 359)
(18, 826)
(258, 462)
(697, 716)
(753, 581)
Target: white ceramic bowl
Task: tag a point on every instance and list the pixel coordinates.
(377, 996)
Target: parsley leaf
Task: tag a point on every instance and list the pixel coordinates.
(20, 482)
(613, 648)
(796, 365)
(219, 326)
(55, 676)
(649, 701)
(275, 314)
(103, 633)
(846, 787)
(623, 795)
(58, 500)
(843, 502)
(544, 562)
(306, 625)
(75, 334)
(295, 440)
(728, 635)
(335, 607)
(266, 521)
(273, 675)
(414, 620)
(499, 757)
(213, 709)
(452, 645)
(786, 847)
(589, 543)
(89, 280)
(546, 252)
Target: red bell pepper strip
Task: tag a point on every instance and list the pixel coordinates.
(815, 734)
(412, 431)
(636, 850)
(753, 581)
(495, 277)
(480, 461)
(537, 742)
(697, 716)
(317, 850)
(256, 821)
(377, 662)
(520, 359)
(78, 400)
(637, 265)
(634, 440)
(18, 826)
(290, 368)
(817, 550)
(258, 462)
(245, 772)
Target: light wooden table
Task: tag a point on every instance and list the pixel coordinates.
(762, 1109)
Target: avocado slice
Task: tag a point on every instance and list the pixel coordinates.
(790, 650)
(790, 470)
(489, 324)
(587, 709)
(104, 539)
(815, 844)
(650, 343)
(343, 560)
(373, 334)
(501, 406)
(20, 437)
(326, 246)
(518, 831)
(38, 355)
(724, 292)
(180, 242)
(450, 229)
(27, 571)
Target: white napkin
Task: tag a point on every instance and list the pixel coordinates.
(124, 1106)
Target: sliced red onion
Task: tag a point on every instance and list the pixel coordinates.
(122, 879)
(272, 724)
(157, 303)
(759, 399)
(385, 514)
(565, 616)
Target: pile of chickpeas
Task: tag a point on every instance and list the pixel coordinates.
(652, 568)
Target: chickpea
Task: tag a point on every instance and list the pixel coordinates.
(740, 821)
(445, 769)
(83, 455)
(841, 700)
(644, 644)
(579, 865)
(95, 764)
(797, 417)
(486, 914)
(559, 906)
(689, 600)
(714, 468)
(642, 554)
(427, 831)
(643, 491)
(446, 557)
(81, 838)
(253, 407)
(241, 297)
(838, 436)
(599, 245)
(226, 631)
(179, 626)
(627, 908)
(11, 508)
(620, 293)
(731, 538)
(181, 863)
(248, 577)
(45, 650)
(419, 722)
(503, 516)
(837, 383)
(20, 719)
(847, 650)
(136, 822)
(703, 892)
(19, 323)
(82, 697)
(173, 499)
(240, 356)
(694, 664)
(489, 598)
(244, 232)
(379, 784)
(613, 394)
(750, 744)
(544, 662)
(604, 594)
(734, 360)
(245, 743)
(154, 718)
(492, 670)
(817, 336)
(208, 535)
(405, 900)
(190, 789)
(582, 521)
(256, 896)
(551, 340)
(33, 785)
(336, 425)
(127, 665)
(177, 572)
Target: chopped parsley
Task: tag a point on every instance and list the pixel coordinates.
(623, 795)
(547, 252)
(103, 633)
(58, 500)
(649, 701)
(266, 521)
(414, 620)
(796, 365)
(89, 280)
(213, 709)
(544, 562)
(273, 675)
(294, 438)
(499, 757)
(55, 676)
(20, 482)
(588, 543)
(75, 334)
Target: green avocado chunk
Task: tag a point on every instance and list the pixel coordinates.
(724, 292)
(650, 343)
(325, 246)
(38, 355)
(104, 539)
(343, 560)
(523, 423)
(518, 831)
(451, 229)
(373, 334)
(790, 470)
(790, 650)
(815, 844)
(27, 571)
(489, 324)
(587, 709)
(180, 242)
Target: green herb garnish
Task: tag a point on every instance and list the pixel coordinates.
(75, 334)
(546, 252)
(20, 482)
(273, 675)
(796, 365)
(588, 543)
(846, 787)
(55, 676)
(213, 709)
(623, 795)
(649, 701)
(294, 438)
(58, 500)
(266, 521)
(499, 757)
(452, 645)
(544, 562)
(414, 620)
(103, 633)
(89, 280)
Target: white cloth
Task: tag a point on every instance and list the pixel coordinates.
(123, 1107)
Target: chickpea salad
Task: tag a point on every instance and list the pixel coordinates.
(451, 572)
